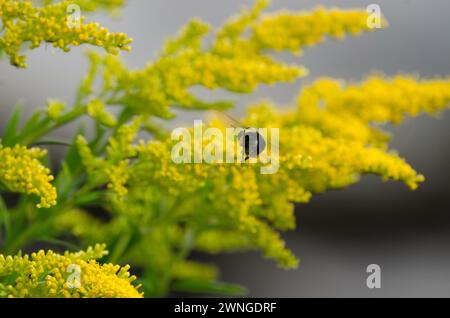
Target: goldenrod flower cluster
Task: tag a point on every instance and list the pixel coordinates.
(21, 171)
(234, 61)
(55, 108)
(294, 31)
(48, 274)
(321, 148)
(287, 31)
(379, 99)
(97, 110)
(24, 23)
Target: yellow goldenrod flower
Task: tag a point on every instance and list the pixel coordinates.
(25, 23)
(21, 171)
(253, 31)
(48, 274)
(55, 108)
(114, 167)
(118, 176)
(97, 110)
(294, 31)
(378, 99)
(326, 142)
(121, 145)
(92, 163)
(238, 60)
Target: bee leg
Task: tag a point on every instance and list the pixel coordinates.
(244, 156)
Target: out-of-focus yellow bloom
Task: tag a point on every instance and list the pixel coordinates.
(48, 274)
(21, 171)
(378, 99)
(97, 110)
(118, 176)
(190, 269)
(114, 168)
(168, 81)
(25, 23)
(294, 31)
(253, 31)
(237, 60)
(91, 162)
(55, 108)
(121, 145)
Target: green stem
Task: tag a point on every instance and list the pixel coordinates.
(76, 112)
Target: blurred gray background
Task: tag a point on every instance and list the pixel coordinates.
(341, 232)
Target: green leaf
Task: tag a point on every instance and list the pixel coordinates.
(34, 122)
(4, 218)
(52, 143)
(119, 247)
(64, 182)
(72, 157)
(10, 279)
(209, 287)
(100, 135)
(86, 199)
(57, 242)
(9, 134)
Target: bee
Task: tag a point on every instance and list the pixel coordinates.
(251, 141)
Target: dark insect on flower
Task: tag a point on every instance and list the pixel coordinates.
(251, 141)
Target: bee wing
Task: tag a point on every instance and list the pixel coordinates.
(241, 134)
(232, 121)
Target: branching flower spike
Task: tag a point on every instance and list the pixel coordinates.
(23, 23)
(48, 274)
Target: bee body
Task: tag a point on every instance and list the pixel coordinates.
(252, 143)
